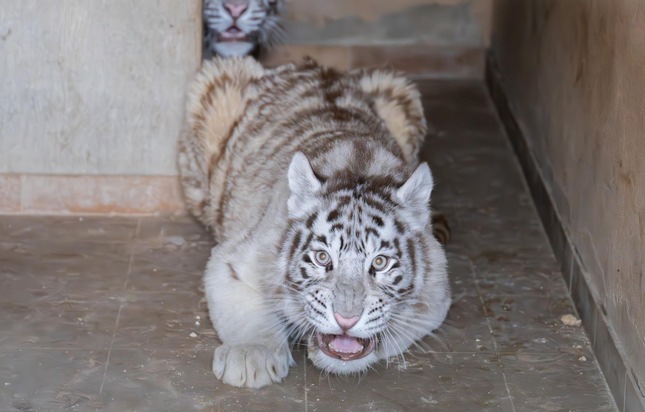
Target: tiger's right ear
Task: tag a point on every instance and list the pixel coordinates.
(415, 196)
(304, 186)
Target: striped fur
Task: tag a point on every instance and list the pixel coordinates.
(440, 227)
(240, 27)
(293, 163)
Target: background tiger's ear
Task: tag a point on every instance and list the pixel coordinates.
(415, 196)
(304, 185)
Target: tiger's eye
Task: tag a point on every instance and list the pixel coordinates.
(379, 262)
(322, 258)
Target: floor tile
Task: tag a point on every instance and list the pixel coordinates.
(556, 382)
(634, 399)
(47, 380)
(466, 328)
(462, 274)
(174, 380)
(442, 382)
(529, 323)
(77, 229)
(172, 267)
(163, 321)
(60, 321)
(453, 118)
(39, 268)
(513, 275)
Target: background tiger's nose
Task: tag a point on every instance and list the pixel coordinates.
(345, 323)
(235, 10)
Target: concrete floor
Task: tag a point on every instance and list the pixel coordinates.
(107, 313)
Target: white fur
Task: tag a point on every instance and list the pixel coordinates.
(303, 185)
(258, 198)
(415, 194)
(253, 355)
(350, 280)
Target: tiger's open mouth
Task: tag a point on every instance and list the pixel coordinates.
(345, 347)
(232, 34)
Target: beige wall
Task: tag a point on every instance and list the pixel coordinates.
(369, 22)
(575, 74)
(94, 87)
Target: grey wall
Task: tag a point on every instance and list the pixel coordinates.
(94, 87)
(375, 22)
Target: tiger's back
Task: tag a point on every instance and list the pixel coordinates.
(263, 117)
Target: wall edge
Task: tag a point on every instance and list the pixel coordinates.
(625, 388)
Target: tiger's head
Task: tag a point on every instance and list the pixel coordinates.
(238, 27)
(365, 278)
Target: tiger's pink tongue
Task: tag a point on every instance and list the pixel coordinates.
(345, 344)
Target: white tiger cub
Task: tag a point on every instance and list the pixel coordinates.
(306, 177)
(240, 27)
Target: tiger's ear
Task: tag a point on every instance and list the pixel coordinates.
(415, 196)
(304, 185)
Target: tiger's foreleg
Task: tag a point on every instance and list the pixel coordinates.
(254, 350)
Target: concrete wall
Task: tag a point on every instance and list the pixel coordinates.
(574, 73)
(429, 38)
(370, 22)
(94, 87)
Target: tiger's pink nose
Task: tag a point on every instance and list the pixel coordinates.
(235, 10)
(345, 323)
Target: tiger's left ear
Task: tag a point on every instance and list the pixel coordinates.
(304, 186)
(415, 196)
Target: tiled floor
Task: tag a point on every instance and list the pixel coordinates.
(107, 313)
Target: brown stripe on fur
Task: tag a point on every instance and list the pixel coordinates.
(373, 186)
(233, 272)
(412, 253)
(440, 228)
(295, 242)
(310, 220)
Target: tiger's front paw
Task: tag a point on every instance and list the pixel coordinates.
(251, 366)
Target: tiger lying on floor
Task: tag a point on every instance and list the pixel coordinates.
(309, 180)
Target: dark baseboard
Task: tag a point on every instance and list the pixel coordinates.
(623, 383)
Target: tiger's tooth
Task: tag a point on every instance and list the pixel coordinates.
(332, 347)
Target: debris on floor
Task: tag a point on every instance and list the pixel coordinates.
(570, 320)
